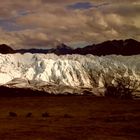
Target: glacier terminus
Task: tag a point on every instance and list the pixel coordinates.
(65, 73)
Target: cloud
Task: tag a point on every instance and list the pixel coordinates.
(45, 23)
(81, 5)
(27, 39)
(85, 5)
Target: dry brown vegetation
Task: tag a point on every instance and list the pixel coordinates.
(70, 118)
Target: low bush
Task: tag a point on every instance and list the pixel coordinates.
(28, 115)
(45, 114)
(123, 88)
(12, 114)
(116, 83)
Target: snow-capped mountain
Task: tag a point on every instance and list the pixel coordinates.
(67, 73)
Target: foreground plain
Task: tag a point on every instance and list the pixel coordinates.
(69, 118)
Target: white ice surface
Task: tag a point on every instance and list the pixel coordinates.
(75, 71)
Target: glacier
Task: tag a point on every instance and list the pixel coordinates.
(65, 73)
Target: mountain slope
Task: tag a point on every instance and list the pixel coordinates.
(118, 47)
(61, 49)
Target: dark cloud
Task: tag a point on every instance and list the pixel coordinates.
(86, 5)
(81, 5)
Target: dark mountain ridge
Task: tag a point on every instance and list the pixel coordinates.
(118, 47)
(5, 49)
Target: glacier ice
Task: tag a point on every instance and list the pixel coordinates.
(72, 73)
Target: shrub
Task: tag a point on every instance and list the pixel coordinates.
(29, 115)
(12, 114)
(67, 116)
(45, 114)
(123, 88)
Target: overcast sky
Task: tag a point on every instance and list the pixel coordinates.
(45, 23)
